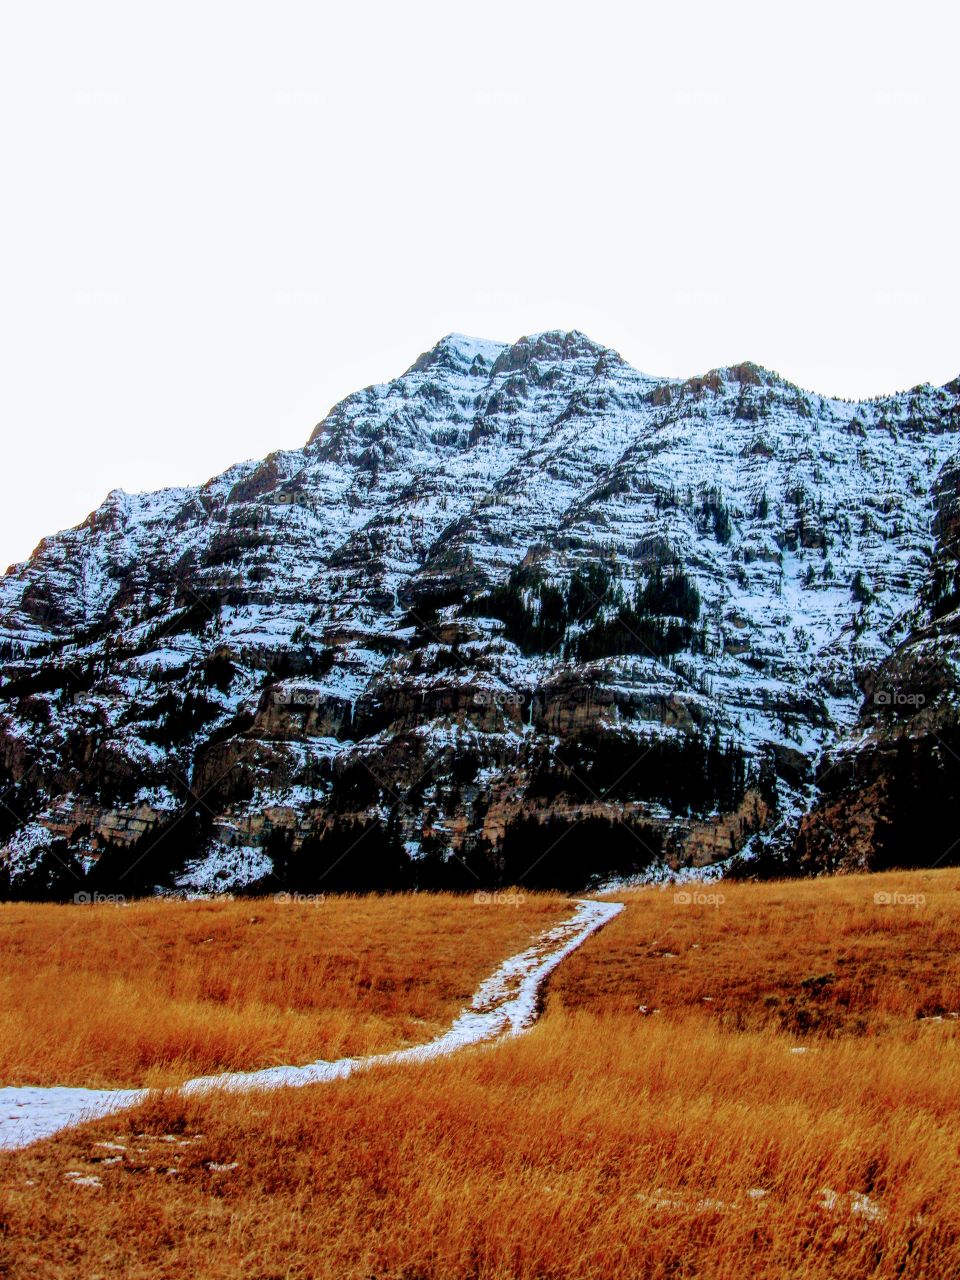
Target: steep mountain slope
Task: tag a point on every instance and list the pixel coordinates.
(889, 790)
(518, 588)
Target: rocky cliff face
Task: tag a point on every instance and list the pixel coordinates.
(519, 584)
(889, 789)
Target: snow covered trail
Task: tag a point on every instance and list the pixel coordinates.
(505, 1004)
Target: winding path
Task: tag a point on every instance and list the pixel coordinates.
(505, 1004)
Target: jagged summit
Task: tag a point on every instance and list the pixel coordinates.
(462, 354)
(459, 352)
(506, 569)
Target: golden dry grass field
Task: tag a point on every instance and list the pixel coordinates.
(765, 1086)
(155, 992)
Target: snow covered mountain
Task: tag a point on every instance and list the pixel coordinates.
(523, 614)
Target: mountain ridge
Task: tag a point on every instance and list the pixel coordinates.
(425, 360)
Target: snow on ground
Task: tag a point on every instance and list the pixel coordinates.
(27, 1115)
(505, 1004)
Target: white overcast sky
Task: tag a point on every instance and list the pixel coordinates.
(219, 219)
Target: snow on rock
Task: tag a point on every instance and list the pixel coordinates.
(225, 869)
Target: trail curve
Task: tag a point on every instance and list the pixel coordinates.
(505, 1004)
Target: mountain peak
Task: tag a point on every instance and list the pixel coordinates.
(553, 345)
(460, 352)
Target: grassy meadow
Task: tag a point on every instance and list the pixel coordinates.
(154, 992)
(728, 1081)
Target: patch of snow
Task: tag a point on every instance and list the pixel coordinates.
(224, 870)
(505, 1004)
(31, 1113)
